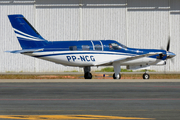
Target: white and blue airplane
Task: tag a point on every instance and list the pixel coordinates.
(85, 53)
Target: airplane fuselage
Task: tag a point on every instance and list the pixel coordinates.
(91, 53)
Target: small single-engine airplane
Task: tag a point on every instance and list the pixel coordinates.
(86, 53)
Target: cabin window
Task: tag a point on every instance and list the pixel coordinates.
(114, 46)
(85, 47)
(98, 47)
(73, 48)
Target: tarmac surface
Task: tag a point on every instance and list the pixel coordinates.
(90, 99)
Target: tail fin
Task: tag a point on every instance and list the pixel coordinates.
(27, 36)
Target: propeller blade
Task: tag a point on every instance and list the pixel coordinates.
(168, 44)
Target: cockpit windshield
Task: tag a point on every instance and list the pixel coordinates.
(115, 46)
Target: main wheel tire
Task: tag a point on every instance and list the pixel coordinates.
(88, 75)
(115, 77)
(146, 76)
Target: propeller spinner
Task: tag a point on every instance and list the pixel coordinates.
(169, 54)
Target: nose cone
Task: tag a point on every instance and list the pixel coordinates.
(170, 55)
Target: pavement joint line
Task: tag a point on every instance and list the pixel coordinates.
(142, 99)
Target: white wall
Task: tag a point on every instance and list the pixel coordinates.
(135, 23)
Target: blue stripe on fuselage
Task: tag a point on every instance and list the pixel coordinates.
(81, 53)
(61, 46)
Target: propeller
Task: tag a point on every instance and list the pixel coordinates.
(168, 44)
(169, 54)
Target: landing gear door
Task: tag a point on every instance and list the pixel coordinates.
(97, 45)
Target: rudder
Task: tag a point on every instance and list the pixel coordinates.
(27, 36)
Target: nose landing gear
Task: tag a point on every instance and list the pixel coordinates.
(146, 75)
(117, 69)
(117, 77)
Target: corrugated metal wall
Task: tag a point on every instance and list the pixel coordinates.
(8, 41)
(57, 21)
(135, 23)
(175, 34)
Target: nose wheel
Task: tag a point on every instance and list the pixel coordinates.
(146, 76)
(117, 77)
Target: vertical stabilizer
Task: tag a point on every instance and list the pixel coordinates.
(27, 36)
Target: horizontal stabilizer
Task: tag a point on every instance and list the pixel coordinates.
(25, 51)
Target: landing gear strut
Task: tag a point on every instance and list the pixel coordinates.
(146, 75)
(87, 74)
(117, 70)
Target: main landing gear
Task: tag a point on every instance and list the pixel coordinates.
(146, 75)
(116, 75)
(87, 74)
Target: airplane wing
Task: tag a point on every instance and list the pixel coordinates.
(25, 51)
(127, 58)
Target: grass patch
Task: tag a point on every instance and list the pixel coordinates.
(71, 71)
(125, 70)
(111, 69)
(145, 71)
(107, 69)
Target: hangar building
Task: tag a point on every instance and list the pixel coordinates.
(134, 23)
